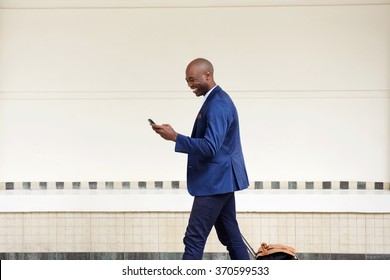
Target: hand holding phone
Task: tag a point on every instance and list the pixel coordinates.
(164, 130)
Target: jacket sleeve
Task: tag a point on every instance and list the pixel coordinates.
(217, 125)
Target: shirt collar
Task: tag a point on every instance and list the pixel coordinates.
(208, 93)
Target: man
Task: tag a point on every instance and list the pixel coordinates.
(216, 167)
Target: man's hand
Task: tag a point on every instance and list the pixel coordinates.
(165, 131)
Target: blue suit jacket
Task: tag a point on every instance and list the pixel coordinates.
(215, 160)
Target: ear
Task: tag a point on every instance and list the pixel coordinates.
(207, 75)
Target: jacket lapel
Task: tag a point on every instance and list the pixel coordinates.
(203, 109)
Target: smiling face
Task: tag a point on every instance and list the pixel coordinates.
(199, 76)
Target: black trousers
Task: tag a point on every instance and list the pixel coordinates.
(218, 211)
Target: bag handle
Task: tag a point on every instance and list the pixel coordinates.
(249, 247)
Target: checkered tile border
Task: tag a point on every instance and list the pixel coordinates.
(260, 185)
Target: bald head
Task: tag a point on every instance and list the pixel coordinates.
(200, 76)
(203, 64)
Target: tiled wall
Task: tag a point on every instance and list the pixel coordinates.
(158, 235)
(91, 234)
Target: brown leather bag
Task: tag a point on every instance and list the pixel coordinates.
(276, 252)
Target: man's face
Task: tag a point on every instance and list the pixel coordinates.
(197, 80)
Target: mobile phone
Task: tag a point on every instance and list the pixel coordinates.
(151, 121)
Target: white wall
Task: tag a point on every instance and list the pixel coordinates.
(311, 83)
